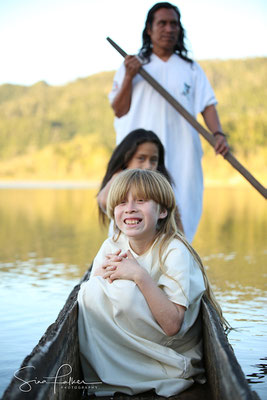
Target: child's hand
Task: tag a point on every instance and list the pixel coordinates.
(108, 263)
(113, 257)
(100, 271)
(120, 267)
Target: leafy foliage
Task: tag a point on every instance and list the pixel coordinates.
(241, 90)
(63, 132)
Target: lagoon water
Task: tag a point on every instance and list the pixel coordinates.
(49, 236)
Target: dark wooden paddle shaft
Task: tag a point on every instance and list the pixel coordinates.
(210, 138)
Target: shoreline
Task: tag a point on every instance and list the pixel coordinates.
(36, 184)
(73, 184)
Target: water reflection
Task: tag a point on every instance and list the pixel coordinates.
(59, 224)
(232, 242)
(48, 239)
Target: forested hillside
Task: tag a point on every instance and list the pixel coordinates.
(66, 132)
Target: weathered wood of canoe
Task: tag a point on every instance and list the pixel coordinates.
(227, 380)
(57, 354)
(58, 346)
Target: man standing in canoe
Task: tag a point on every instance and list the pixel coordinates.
(137, 105)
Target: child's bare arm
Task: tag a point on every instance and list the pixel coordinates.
(103, 194)
(167, 314)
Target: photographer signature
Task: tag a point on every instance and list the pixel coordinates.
(58, 379)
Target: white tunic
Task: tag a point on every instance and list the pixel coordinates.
(149, 110)
(122, 345)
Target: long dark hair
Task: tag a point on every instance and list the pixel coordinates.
(124, 152)
(179, 48)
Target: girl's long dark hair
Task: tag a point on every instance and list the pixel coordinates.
(146, 49)
(124, 152)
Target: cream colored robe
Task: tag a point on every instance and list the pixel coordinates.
(122, 345)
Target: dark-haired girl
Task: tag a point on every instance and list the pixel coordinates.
(140, 149)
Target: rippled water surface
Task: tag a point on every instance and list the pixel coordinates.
(48, 238)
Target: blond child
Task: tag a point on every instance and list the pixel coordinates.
(139, 321)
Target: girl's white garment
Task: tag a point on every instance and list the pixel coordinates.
(122, 345)
(149, 110)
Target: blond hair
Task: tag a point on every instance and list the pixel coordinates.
(151, 185)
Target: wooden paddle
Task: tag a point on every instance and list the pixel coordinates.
(210, 138)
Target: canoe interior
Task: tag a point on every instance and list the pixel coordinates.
(57, 354)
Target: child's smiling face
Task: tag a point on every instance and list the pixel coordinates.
(137, 218)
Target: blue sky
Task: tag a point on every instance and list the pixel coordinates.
(61, 40)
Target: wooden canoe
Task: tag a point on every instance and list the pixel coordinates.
(40, 376)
